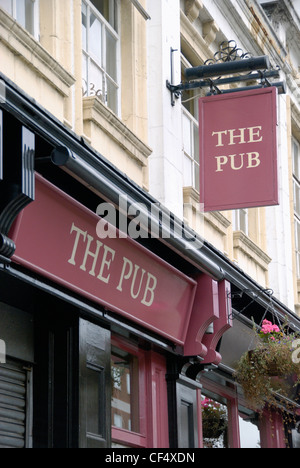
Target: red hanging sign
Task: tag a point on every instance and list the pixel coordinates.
(238, 150)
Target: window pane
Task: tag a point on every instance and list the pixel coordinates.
(298, 235)
(84, 26)
(187, 139)
(107, 9)
(95, 81)
(240, 221)
(94, 386)
(95, 39)
(111, 56)
(84, 75)
(296, 159)
(244, 221)
(187, 172)
(197, 177)
(7, 6)
(125, 391)
(214, 423)
(297, 242)
(249, 433)
(196, 143)
(296, 437)
(25, 14)
(297, 198)
(112, 96)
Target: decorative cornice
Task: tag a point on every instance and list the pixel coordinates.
(194, 40)
(210, 30)
(192, 9)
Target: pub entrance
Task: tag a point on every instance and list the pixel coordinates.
(72, 382)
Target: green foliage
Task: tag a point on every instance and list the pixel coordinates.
(268, 369)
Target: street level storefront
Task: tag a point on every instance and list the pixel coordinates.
(112, 342)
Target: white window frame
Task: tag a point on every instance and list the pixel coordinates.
(193, 179)
(91, 90)
(190, 157)
(296, 191)
(36, 15)
(297, 243)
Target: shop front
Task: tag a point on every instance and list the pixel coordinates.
(110, 341)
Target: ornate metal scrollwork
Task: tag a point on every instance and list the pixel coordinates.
(228, 52)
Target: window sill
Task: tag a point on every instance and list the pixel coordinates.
(243, 243)
(24, 45)
(127, 438)
(96, 112)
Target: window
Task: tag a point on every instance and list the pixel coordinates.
(190, 137)
(125, 391)
(249, 430)
(226, 423)
(100, 44)
(128, 395)
(214, 422)
(240, 221)
(191, 167)
(25, 12)
(296, 179)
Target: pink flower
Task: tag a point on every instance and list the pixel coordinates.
(268, 327)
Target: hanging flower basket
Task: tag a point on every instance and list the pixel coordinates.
(262, 356)
(264, 370)
(214, 419)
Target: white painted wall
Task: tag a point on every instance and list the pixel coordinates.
(296, 5)
(165, 165)
(278, 220)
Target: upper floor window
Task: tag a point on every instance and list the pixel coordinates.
(190, 136)
(100, 44)
(296, 181)
(240, 221)
(25, 12)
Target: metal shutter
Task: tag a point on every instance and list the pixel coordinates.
(13, 382)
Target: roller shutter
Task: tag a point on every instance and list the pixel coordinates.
(13, 384)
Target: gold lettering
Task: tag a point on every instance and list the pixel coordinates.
(253, 160)
(220, 140)
(232, 157)
(94, 255)
(106, 264)
(149, 291)
(126, 272)
(136, 269)
(255, 132)
(221, 161)
(79, 233)
(240, 136)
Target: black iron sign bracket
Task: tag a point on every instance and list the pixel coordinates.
(236, 66)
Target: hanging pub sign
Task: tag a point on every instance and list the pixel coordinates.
(238, 150)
